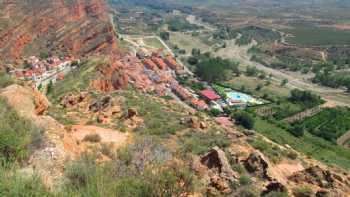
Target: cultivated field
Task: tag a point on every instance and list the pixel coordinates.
(316, 36)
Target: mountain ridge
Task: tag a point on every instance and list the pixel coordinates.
(77, 28)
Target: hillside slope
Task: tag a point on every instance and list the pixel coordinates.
(75, 27)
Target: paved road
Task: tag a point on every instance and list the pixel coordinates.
(329, 94)
(53, 77)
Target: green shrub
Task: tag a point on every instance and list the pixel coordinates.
(245, 180)
(303, 191)
(17, 135)
(200, 143)
(244, 119)
(276, 194)
(5, 80)
(128, 174)
(132, 187)
(14, 185)
(215, 112)
(292, 155)
(238, 168)
(273, 152)
(297, 130)
(93, 138)
(247, 191)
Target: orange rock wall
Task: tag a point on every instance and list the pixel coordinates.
(77, 28)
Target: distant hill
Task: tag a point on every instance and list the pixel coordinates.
(74, 27)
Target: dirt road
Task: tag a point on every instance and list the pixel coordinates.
(344, 139)
(240, 53)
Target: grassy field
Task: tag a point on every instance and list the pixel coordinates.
(153, 42)
(310, 145)
(187, 42)
(250, 84)
(311, 35)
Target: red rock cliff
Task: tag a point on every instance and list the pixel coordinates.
(76, 27)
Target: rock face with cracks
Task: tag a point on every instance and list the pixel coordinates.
(218, 169)
(75, 27)
(258, 165)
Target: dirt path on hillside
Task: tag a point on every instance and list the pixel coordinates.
(344, 139)
(107, 135)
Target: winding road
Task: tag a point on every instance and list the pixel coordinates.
(337, 96)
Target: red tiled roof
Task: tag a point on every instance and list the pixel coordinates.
(150, 64)
(171, 62)
(210, 94)
(160, 63)
(182, 92)
(199, 103)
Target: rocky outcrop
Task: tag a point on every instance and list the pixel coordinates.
(218, 185)
(257, 165)
(75, 27)
(216, 159)
(111, 76)
(274, 187)
(216, 171)
(41, 102)
(72, 99)
(314, 175)
(132, 112)
(323, 193)
(101, 104)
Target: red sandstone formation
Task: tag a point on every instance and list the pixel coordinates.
(76, 27)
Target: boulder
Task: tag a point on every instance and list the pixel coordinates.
(194, 122)
(274, 187)
(323, 193)
(132, 112)
(202, 125)
(314, 175)
(220, 184)
(216, 159)
(119, 80)
(71, 100)
(258, 165)
(101, 104)
(103, 118)
(41, 102)
(248, 132)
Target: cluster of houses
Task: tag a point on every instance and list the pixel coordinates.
(188, 97)
(156, 61)
(164, 70)
(41, 71)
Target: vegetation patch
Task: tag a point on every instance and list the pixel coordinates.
(274, 153)
(129, 175)
(329, 124)
(200, 143)
(158, 118)
(308, 144)
(5, 80)
(313, 35)
(17, 135)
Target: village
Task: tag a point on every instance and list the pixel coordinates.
(42, 71)
(161, 69)
(166, 70)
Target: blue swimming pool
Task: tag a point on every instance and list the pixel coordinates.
(239, 97)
